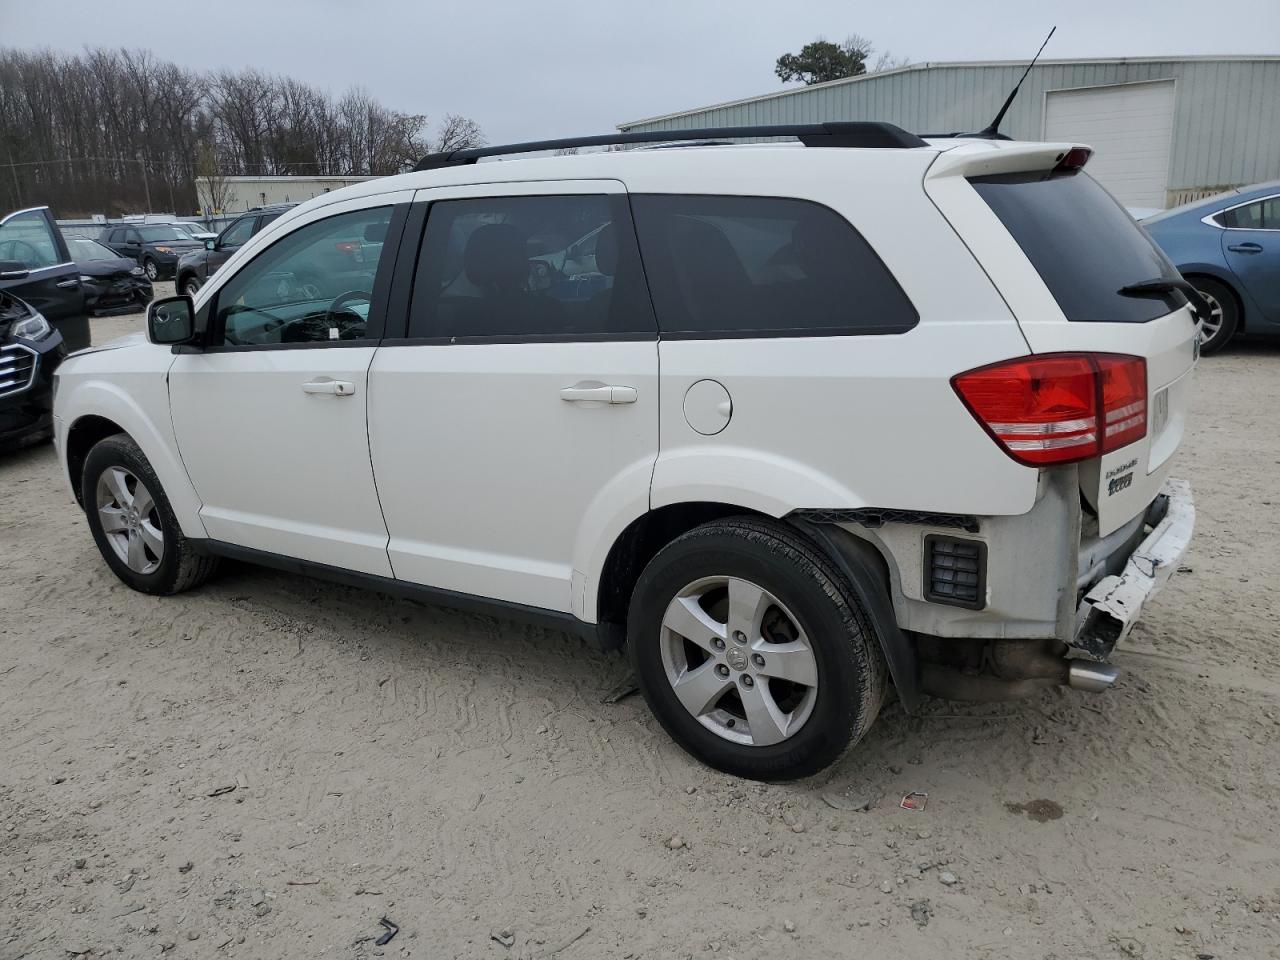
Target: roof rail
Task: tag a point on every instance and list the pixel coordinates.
(850, 134)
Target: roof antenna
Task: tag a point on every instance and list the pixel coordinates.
(992, 132)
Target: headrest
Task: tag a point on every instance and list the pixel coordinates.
(495, 257)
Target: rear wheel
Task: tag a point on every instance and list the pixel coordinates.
(753, 652)
(133, 523)
(1224, 314)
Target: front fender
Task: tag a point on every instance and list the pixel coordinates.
(139, 404)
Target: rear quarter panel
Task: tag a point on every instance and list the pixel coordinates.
(849, 421)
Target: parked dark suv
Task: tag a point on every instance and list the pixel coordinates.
(30, 350)
(155, 246)
(36, 265)
(197, 266)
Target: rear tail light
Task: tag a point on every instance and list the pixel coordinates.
(1059, 407)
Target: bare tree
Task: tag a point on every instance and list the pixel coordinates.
(457, 133)
(214, 192)
(100, 131)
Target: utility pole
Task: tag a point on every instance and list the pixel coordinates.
(17, 187)
(145, 185)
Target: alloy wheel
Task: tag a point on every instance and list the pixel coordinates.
(151, 270)
(1209, 326)
(738, 661)
(130, 520)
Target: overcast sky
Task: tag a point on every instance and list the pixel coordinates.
(527, 69)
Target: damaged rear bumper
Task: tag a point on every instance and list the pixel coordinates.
(1109, 610)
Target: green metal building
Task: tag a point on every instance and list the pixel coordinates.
(1165, 130)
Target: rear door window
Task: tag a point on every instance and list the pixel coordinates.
(541, 267)
(763, 266)
(1082, 243)
(1262, 215)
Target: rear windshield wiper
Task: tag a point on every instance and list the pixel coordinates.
(1161, 286)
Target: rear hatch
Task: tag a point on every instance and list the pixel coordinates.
(1060, 249)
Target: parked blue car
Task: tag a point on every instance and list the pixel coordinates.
(1228, 246)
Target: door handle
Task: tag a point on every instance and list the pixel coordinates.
(336, 388)
(67, 284)
(1245, 247)
(591, 391)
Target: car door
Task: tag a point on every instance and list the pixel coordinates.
(517, 421)
(129, 243)
(1251, 246)
(38, 268)
(270, 416)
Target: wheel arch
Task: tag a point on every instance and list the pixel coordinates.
(859, 560)
(81, 437)
(96, 409)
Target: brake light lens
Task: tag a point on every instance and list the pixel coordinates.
(1061, 407)
(1075, 158)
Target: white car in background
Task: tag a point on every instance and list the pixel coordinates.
(804, 422)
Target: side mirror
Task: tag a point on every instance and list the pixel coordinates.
(13, 270)
(211, 244)
(171, 321)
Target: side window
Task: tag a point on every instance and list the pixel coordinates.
(238, 234)
(1248, 217)
(1260, 215)
(763, 266)
(514, 267)
(265, 219)
(26, 238)
(133, 236)
(315, 284)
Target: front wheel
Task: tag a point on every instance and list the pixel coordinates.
(151, 270)
(752, 650)
(190, 286)
(1224, 315)
(133, 523)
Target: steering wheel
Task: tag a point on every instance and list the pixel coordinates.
(338, 306)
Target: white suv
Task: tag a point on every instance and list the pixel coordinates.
(789, 421)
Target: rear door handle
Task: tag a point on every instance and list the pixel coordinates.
(591, 391)
(1245, 247)
(67, 284)
(337, 388)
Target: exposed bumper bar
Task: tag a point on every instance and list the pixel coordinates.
(1109, 610)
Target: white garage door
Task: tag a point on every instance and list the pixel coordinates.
(1129, 126)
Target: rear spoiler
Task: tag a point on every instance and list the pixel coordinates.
(981, 158)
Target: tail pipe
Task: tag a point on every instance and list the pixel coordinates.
(1090, 676)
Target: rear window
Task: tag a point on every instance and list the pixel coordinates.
(1082, 243)
(763, 266)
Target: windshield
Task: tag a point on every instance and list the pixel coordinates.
(158, 233)
(83, 248)
(1082, 243)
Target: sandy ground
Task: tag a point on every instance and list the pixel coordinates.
(265, 767)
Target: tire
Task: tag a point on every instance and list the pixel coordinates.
(173, 567)
(190, 286)
(1217, 333)
(150, 269)
(803, 602)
